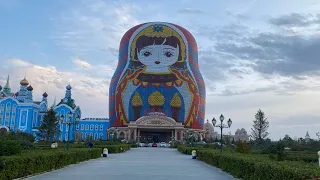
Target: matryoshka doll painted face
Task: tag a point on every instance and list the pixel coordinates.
(158, 57)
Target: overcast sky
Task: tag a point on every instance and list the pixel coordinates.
(252, 54)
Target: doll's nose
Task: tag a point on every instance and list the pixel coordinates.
(157, 62)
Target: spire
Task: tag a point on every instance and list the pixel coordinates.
(7, 86)
(54, 102)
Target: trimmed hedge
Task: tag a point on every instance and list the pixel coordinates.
(111, 148)
(301, 157)
(134, 145)
(9, 147)
(39, 161)
(249, 166)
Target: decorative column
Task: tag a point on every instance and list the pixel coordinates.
(156, 101)
(135, 134)
(139, 135)
(175, 105)
(136, 103)
(129, 134)
(175, 134)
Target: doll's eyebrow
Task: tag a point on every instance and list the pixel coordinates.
(146, 48)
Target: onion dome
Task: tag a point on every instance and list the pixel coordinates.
(68, 87)
(24, 82)
(45, 94)
(16, 94)
(0, 87)
(30, 88)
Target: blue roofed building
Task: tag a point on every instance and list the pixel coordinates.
(19, 112)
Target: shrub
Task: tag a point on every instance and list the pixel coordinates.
(26, 145)
(212, 146)
(134, 145)
(17, 166)
(243, 147)
(9, 147)
(17, 136)
(251, 166)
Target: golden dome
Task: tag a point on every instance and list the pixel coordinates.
(136, 100)
(24, 82)
(156, 99)
(176, 101)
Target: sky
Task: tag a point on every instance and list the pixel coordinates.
(252, 54)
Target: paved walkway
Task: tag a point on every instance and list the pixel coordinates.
(139, 164)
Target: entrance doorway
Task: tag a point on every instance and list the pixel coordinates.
(155, 136)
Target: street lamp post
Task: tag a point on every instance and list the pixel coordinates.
(221, 126)
(190, 135)
(112, 131)
(69, 123)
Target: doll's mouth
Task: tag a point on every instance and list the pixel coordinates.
(157, 62)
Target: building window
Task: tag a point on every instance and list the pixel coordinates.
(101, 135)
(61, 127)
(77, 127)
(82, 127)
(2, 108)
(95, 136)
(14, 109)
(87, 127)
(96, 127)
(60, 136)
(13, 118)
(91, 127)
(91, 136)
(101, 127)
(7, 119)
(86, 137)
(67, 127)
(66, 136)
(8, 108)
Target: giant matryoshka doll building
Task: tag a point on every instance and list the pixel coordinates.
(157, 92)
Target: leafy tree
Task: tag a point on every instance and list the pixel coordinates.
(49, 126)
(260, 127)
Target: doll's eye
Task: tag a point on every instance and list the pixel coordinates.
(168, 54)
(146, 54)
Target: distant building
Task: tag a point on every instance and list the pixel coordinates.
(307, 138)
(209, 131)
(19, 112)
(241, 135)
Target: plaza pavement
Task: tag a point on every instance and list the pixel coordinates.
(145, 163)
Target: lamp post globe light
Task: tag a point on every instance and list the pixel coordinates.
(221, 126)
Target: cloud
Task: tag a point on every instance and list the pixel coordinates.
(88, 90)
(81, 63)
(190, 11)
(94, 26)
(293, 19)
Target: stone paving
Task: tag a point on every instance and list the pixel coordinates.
(146, 163)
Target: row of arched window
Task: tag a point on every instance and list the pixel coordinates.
(92, 127)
